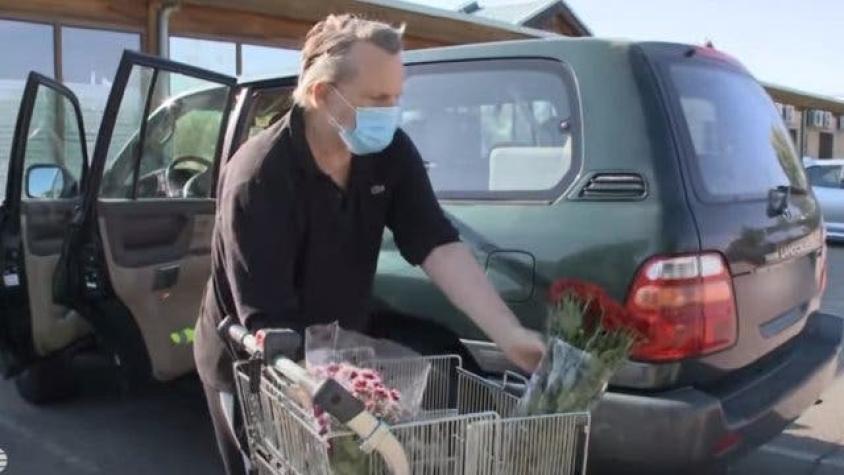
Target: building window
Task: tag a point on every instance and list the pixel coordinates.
(827, 141)
(219, 56)
(89, 59)
(233, 58)
(793, 134)
(89, 63)
(33, 51)
(264, 60)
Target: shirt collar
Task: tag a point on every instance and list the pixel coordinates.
(304, 158)
(362, 165)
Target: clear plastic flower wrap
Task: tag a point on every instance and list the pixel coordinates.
(329, 349)
(589, 337)
(568, 379)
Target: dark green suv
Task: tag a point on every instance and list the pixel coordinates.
(660, 171)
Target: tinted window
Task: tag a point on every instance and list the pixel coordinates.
(119, 166)
(493, 128)
(181, 135)
(742, 148)
(53, 160)
(824, 176)
(266, 106)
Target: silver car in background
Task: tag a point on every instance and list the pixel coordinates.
(827, 180)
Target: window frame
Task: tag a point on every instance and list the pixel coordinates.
(563, 71)
(547, 196)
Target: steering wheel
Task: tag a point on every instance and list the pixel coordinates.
(176, 178)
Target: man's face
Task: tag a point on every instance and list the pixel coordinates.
(378, 83)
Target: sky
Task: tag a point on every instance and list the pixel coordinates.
(794, 43)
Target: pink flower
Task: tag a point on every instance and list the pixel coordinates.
(366, 385)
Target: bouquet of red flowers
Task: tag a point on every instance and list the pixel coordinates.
(589, 338)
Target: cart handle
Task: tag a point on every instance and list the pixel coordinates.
(331, 396)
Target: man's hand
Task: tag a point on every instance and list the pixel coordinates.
(453, 268)
(524, 348)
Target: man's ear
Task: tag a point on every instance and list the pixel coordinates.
(319, 94)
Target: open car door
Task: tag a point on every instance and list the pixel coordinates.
(137, 258)
(47, 167)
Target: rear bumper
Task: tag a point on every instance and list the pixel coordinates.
(691, 427)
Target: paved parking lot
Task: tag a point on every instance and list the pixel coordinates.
(165, 429)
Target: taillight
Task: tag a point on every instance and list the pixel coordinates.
(684, 306)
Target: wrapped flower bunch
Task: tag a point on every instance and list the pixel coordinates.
(589, 337)
(380, 400)
(366, 384)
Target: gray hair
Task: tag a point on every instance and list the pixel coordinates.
(327, 46)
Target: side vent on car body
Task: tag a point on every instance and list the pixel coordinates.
(614, 187)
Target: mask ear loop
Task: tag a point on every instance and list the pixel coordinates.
(333, 119)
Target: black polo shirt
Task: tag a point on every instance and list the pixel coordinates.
(291, 248)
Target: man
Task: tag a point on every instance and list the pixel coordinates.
(303, 205)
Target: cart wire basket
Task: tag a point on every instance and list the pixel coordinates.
(467, 425)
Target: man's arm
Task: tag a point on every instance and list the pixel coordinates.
(453, 269)
(426, 237)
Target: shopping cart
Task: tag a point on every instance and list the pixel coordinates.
(467, 425)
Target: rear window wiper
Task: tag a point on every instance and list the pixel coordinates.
(779, 197)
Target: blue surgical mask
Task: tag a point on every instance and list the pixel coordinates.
(374, 128)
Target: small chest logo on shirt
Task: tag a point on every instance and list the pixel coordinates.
(377, 189)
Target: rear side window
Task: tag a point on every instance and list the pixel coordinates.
(493, 129)
(824, 176)
(741, 147)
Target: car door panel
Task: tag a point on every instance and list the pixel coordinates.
(53, 326)
(163, 128)
(165, 315)
(46, 225)
(147, 233)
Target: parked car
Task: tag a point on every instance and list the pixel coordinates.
(825, 176)
(660, 171)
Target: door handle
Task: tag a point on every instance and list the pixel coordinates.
(165, 277)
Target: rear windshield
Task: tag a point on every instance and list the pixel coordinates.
(741, 145)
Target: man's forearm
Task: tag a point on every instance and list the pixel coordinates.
(453, 269)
